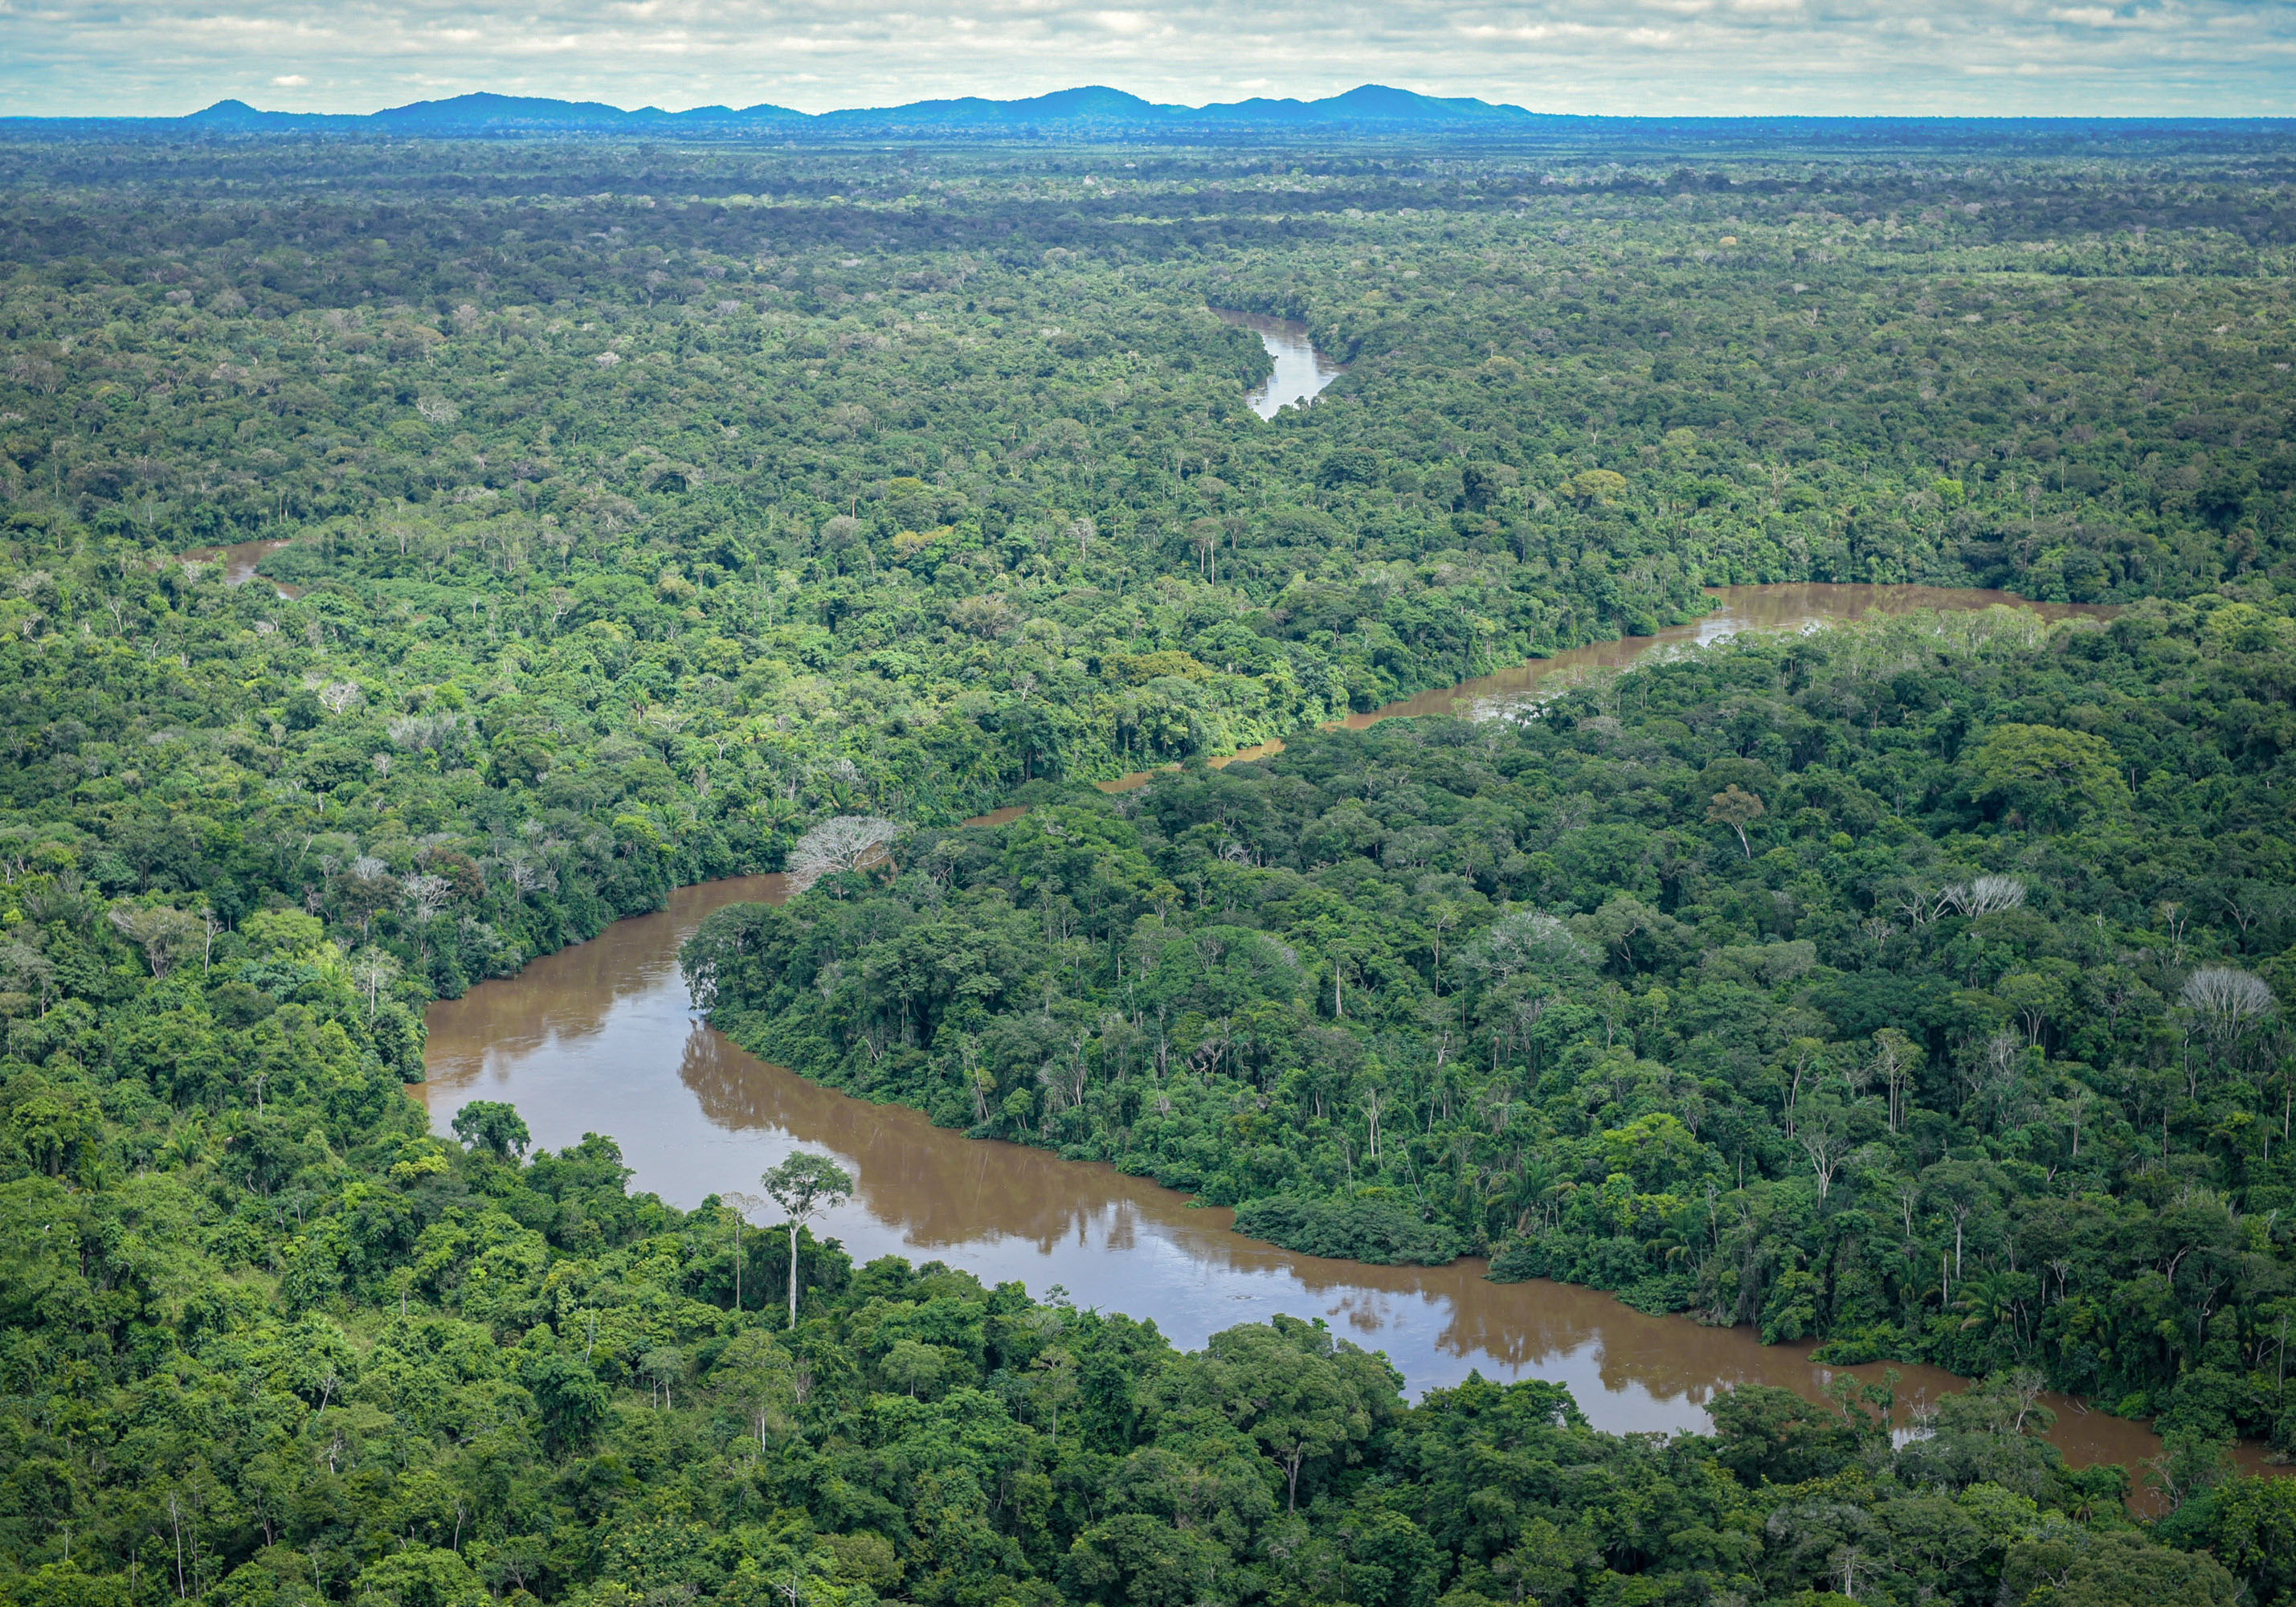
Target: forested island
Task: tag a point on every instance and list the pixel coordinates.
(637, 514)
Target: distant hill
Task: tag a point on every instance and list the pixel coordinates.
(1097, 112)
(1092, 109)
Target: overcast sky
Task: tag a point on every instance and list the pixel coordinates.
(1956, 57)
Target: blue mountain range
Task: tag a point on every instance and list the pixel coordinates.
(1092, 109)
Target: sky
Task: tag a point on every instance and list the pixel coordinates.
(1620, 57)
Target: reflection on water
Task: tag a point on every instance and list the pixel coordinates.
(1737, 609)
(238, 561)
(1300, 370)
(602, 1038)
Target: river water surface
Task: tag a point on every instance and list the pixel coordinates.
(1736, 608)
(1300, 370)
(602, 1038)
(238, 561)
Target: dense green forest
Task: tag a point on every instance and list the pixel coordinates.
(1899, 987)
(313, 1354)
(1921, 988)
(653, 504)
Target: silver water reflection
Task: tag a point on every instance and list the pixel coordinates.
(1300, 370)
(602, 1038)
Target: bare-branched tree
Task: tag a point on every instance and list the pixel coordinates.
(2226, 1005)
(844, 842)
(1984, 895)
(426, 895)
(165, 936)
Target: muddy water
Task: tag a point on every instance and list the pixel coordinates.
(238, 561)
(602, 1037)
(1300, 370)
(1737, 609)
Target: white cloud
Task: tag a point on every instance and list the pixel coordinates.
(1526, 33)
(2134, 57)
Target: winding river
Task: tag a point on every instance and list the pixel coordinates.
(602, 1038)
(1300, 371)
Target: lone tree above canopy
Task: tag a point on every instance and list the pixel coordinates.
(805, 1185)
(1737, 808)
(493, 1126)
(844, 842)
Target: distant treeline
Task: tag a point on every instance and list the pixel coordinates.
(1922, 989)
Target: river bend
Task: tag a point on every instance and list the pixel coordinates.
(602, 1037)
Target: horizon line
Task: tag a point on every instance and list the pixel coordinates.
(1467, 103)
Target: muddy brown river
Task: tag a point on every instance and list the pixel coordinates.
(238, 561)
(602, 1038)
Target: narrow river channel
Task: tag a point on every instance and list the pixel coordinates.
(238, 561)
(602, 1038)
(1300, 371)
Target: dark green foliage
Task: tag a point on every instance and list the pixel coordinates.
(1355, 1229)
(1964, 1054)
(416, 1372)
(1763, 1434)
(485, 1124)
(648, 507)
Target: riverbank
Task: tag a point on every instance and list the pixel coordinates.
(613, 1046)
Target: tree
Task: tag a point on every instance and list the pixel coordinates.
(1737, 808)
(2252, 1531)
(165, 936)
(375, 970)
(426, 895)
(663, 1368)
(1983, 896)
(915, 1365)
(2114, 1569)
(1801, 1061)
(366, 888)
(1896, 1059)
(2226, 1003)
(1597, 488)
(740, 1205)
(843, 842)
(421, 1576)
(1301, 1393)
(1961, 1189)
(493, 1126)
(572, 1402)
(1823, 1133)
(25, 977)
(1529, 939)
(1766, 1433)
(2048, 776)
(756, 1371)
(805, 1185)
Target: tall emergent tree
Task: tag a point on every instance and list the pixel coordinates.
(805, 1185)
